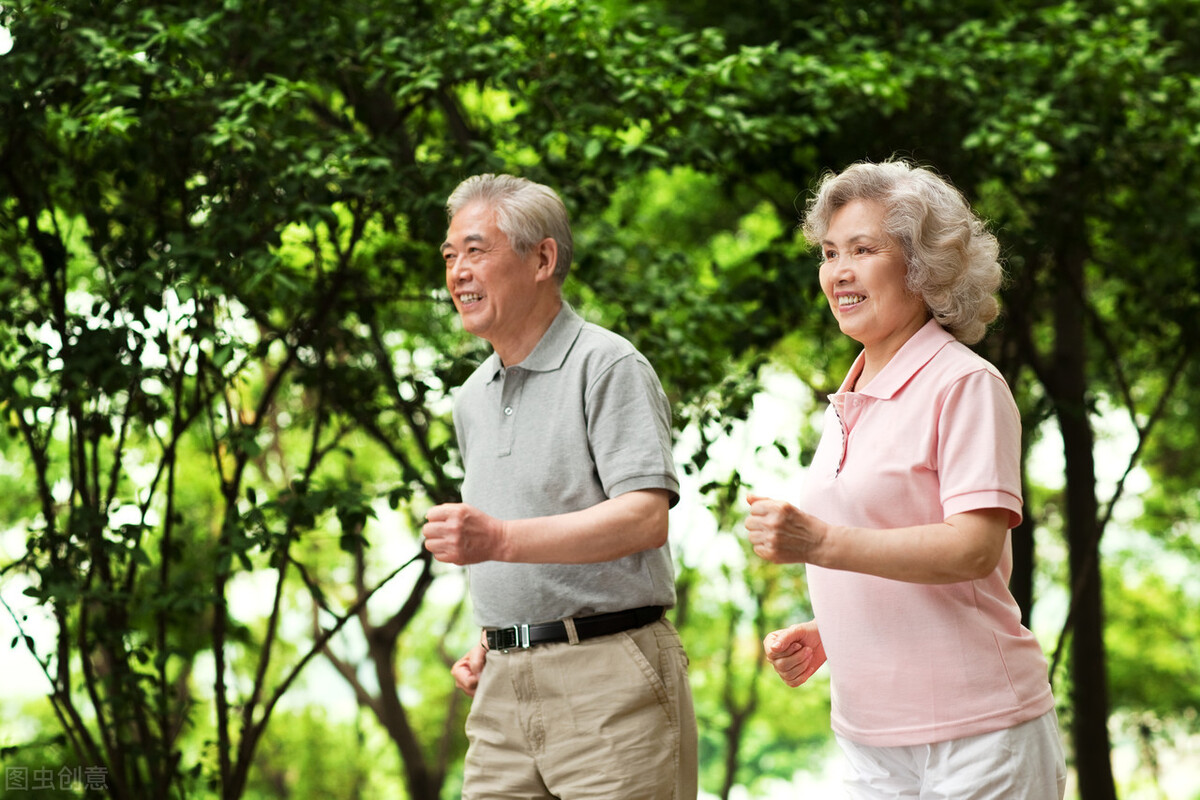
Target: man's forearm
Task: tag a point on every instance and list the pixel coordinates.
(618, 527)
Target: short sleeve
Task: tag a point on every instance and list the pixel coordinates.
(629, 429)
(979, 447)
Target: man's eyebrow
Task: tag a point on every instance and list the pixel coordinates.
(470, 237)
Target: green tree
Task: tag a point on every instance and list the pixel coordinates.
(222, 327)
(1050, 116)
(195, 242)
(225, 352)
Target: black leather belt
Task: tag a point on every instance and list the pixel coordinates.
(523, 636)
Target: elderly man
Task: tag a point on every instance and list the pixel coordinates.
(579, 682)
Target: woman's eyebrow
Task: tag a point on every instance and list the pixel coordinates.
(858, 237)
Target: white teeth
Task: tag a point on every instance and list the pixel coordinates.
(850, 299)
(469, 298)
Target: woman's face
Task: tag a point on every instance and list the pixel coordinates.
(863, 277)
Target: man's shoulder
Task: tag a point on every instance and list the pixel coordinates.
(600, 341)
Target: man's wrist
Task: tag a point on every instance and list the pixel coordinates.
(503, 542)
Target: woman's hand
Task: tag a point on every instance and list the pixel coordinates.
(782, 533)
(795, 652)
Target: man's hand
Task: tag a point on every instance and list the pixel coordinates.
(457, 533)
(795, 652)
(467, 669)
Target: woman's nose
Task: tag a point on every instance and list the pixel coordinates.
(839, 270)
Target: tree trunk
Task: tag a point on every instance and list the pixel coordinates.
(1005, 349)
(733, 746)
(1021, 581)
(422, 782)
(1089, 693)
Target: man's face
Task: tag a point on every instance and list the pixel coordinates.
(493, 287)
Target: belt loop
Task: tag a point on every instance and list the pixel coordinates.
(572, 634)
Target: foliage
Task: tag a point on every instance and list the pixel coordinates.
(306, 755)
(222, 329)
(1049, 116)
(225, 354)
(1155, 675)
(190, 329)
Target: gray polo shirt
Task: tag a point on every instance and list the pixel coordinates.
(583, 418)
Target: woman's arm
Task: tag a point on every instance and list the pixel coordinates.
(964, 547)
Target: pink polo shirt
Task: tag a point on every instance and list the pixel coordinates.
(936, 433)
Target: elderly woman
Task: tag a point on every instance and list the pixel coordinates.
(904, 520)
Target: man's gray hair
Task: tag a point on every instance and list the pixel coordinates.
(526, 212)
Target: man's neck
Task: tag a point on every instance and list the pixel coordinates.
(517, 348)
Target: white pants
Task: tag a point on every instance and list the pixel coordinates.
(1024, 762)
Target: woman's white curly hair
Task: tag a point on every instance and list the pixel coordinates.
(953, 260)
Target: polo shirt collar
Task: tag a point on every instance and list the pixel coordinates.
(918, 351)
(551, 350)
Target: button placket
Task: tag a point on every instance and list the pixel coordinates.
(846, 406)
(512, 381)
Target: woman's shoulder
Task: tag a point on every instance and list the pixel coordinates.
(956, 361)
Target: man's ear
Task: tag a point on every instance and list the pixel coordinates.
(547, 258)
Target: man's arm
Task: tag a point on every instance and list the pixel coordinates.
(457, 533)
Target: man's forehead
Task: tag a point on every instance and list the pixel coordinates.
(475, 222)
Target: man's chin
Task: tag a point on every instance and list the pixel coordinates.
(472, 325)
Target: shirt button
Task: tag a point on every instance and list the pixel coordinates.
(508, 411)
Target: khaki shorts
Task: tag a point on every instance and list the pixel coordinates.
(609, 717)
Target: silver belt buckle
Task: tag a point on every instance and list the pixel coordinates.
(520, 638)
